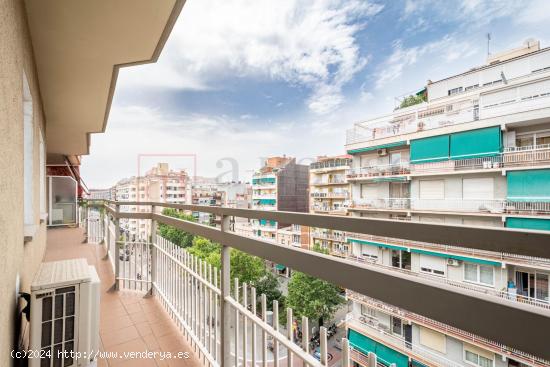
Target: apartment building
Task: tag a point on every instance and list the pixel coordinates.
(159, 184)
(476, 152)
(330, 193)
(281, 184)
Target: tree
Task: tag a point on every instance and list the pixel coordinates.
(312, 297)
(174, 235)
(412, 100)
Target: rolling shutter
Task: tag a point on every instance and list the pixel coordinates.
(438, 264)
(478, 188)
(432, 149)
(433, 339)
(531, 185)
(432, 189)
(476, 143)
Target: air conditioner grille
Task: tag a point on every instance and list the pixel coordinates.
(61, 337)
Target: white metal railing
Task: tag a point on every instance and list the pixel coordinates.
(528, 148)
(449, 330)
(508, 159)
(383, 203)
(333, 163)
(329, 236)
(328, 209)
(264, 196)
(485, 290)
(372, 329)
(190, 291)
(330, 195)
(333, 181)
(313, 263)
(524, 206)
(382, 170)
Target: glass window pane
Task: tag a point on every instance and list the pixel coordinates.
(485, 362)
(542, 287)
(395, 258)
(471, 357)
(486, 274)
(470, 272)
(406, 260)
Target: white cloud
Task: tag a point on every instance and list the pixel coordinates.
(136, 130)
(296, 41)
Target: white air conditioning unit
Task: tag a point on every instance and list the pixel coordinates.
(382, 152)
(453, 262)
(65, 314)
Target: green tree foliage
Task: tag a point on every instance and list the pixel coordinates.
(312, 297)
(412, 100)
(174, 235)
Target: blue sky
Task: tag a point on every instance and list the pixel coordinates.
(246, 79)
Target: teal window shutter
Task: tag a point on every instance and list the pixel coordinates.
(528, 223)
(385, 355)
(485, 142)
(432, 149)
(530, 185)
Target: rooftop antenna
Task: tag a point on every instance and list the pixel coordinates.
(488, 42)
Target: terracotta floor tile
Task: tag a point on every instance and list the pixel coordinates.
(151, 342)
(115, 323)
(119, 336)
(138, 317)
(144, 328)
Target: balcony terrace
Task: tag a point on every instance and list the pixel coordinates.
(498, 207)
(191, 291)
(458, 110)
(330, 165)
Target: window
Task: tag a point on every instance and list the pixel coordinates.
(401, 259)
(367, 311)
(453, 91)
(396, 325)
(395, 158)
(28, 154)
(476, 359)
(482, 274)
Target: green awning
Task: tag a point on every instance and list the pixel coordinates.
(264, 201)
(456, 257)
(378, 244)
(384, 354)
(280, 267)
(369, 149)
(389, 179)
(418, 364)
(476, 143)
(264, 180)
(528, 223)
(531, 185)
(432, 149)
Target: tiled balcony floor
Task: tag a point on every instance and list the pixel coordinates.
(129, 322)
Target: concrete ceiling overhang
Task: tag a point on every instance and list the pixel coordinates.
(79, 46)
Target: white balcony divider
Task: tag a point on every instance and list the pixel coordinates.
(449, 330)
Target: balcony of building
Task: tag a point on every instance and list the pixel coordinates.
(461, 335)
(330, 165)
(328, 208)
(497, 207)
(516, 103)
(379, 171)
(158, 261)
(330, 195)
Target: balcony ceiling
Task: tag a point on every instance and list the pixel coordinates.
(78, 48)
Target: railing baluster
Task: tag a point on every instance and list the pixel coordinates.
(236, 318)
(245, 323)
(264, 335)
(305, 336)
(290, 334)
(345, 353)
(253, 301)
(323, 345)
(225, 307)
(276, 327)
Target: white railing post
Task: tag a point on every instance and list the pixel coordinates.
(117, 248)
(153, 259)
(372, 360)
(225, 307)
(345, 352)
